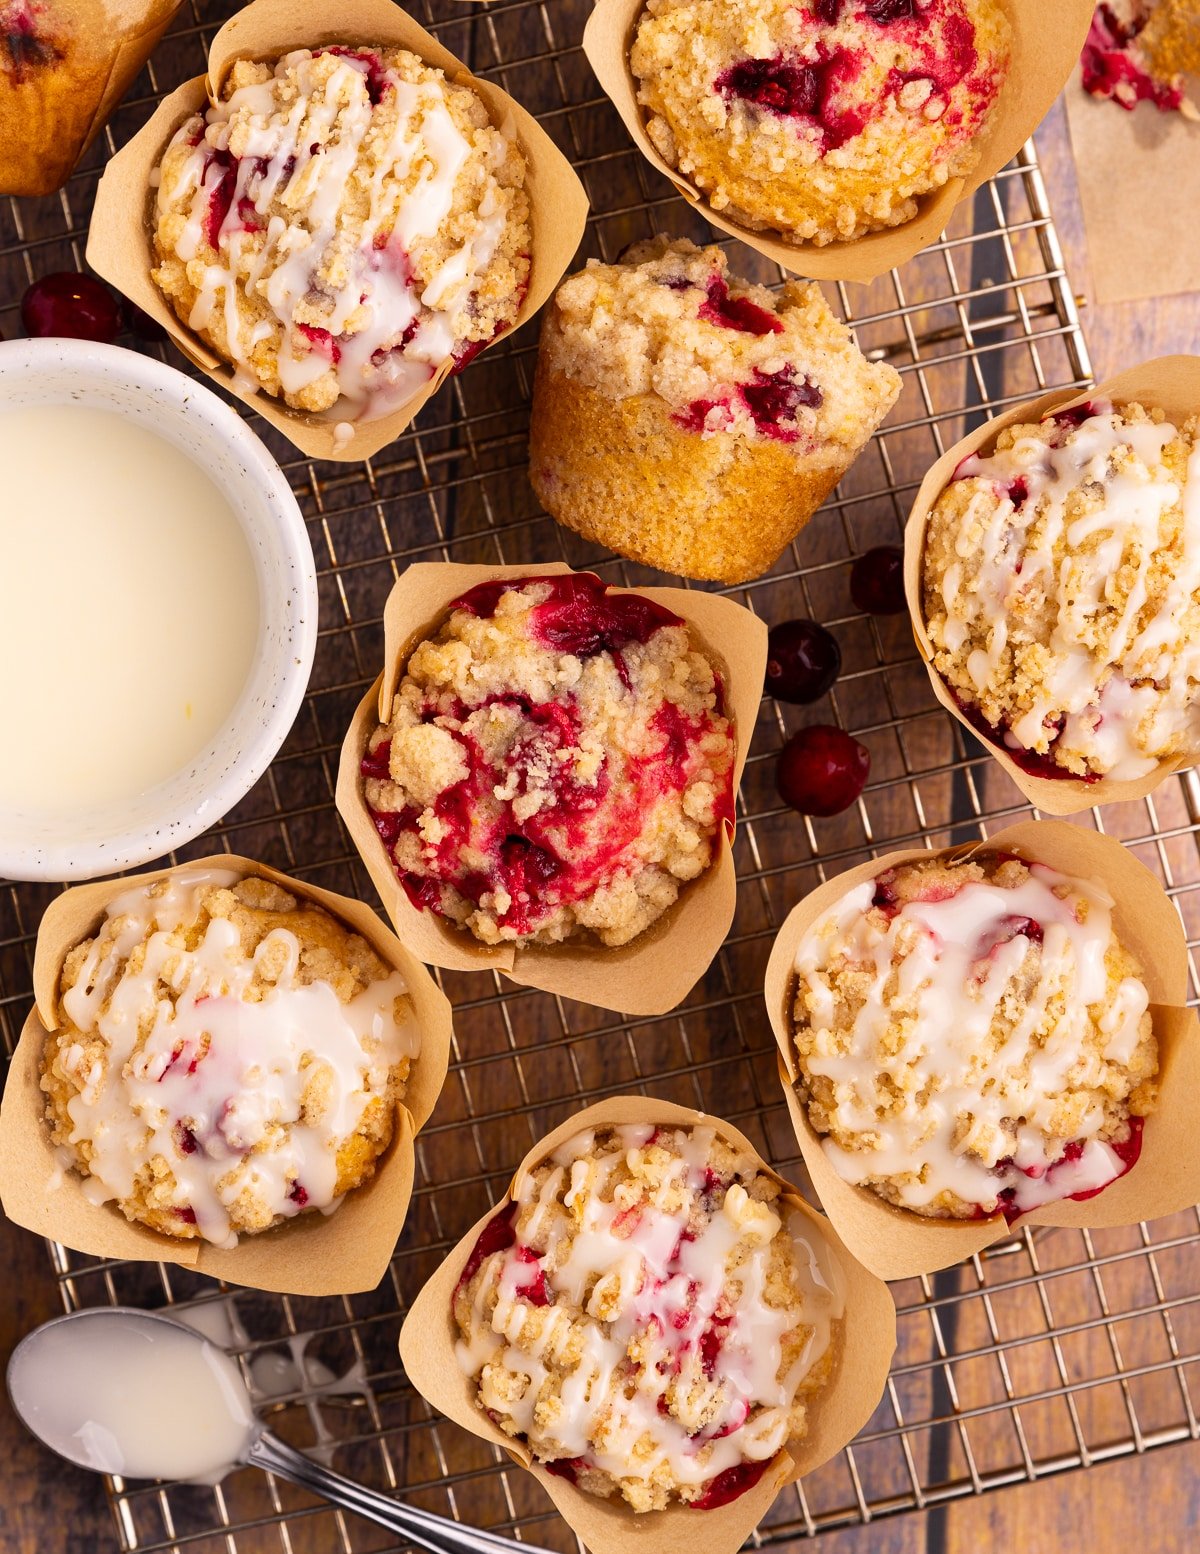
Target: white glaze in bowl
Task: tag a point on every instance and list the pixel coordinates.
(127, 833)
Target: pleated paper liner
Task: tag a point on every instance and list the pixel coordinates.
(862, 1355)
(897, 1244)
(51, 113)
(1046, 44)
(313, 1254)
(119, 239)
(652, 973)
(1171, 384)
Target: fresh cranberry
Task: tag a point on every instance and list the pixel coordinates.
(804, 89)
(822, 770)
(803, 661)
(141, 324)
(730, 1485)
(877, 581)
(69, 304)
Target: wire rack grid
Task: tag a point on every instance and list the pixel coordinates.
(1055, 1350)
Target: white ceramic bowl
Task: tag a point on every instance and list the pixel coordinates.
(119, 836)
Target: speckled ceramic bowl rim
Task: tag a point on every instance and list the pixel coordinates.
(274, 527)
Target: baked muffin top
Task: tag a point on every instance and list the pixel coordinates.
(557, 761)
(1062, 590)
(973, 1038)
(649, 1316)
(725, 356)
(340, 224)
(819, 119)
(227, 1056)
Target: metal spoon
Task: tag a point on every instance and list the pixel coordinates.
(423, 1529)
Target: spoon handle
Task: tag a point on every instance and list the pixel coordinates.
(423, 1529)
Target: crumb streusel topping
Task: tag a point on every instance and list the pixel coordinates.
(227, 1056)
(556, 761)
(1062, 590)
(649, 1318)
(819, 119)
(340, 224)
(725, 355)
(973, 1038)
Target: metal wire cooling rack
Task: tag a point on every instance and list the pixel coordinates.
(1056, 1350)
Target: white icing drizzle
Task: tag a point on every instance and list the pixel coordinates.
(215, 1068)
(1128, 691)
(645, 1285)
(309, 154)
(920, 1092)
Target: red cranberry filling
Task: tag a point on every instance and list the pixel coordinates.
(1007, 929)
(579, 617)
(378, 81)
(568, 1467)
(298, 1195)
(730, 1485)
(1076, 415)
(737, 312)
(1017, 492)
(801, 89)
(1127, 1151)
(322, 342)
(188, 1216)
(496, 1236)
(777, 396)
(885, 897)
(1109, 71)
(1032, 762)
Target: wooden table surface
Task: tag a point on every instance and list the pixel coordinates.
(47, 1507)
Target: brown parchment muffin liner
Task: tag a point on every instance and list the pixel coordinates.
(1171, 384)
(897, 1244)
(652, 973)
(313, 1254)
(863, 1352)
(62, 88)
(119, 242)
(1046, 42)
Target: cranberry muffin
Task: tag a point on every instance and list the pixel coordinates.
(693, 421)
(973, 1038)
(1061, 591)
(649, 1318)
(821, 120)
(557, 762)
(340, 224)
(227, 1057)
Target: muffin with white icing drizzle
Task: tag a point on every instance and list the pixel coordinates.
(227, 1056)
(340, 224)
(649, 1317)
(973, 1038)
(1061, 591)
